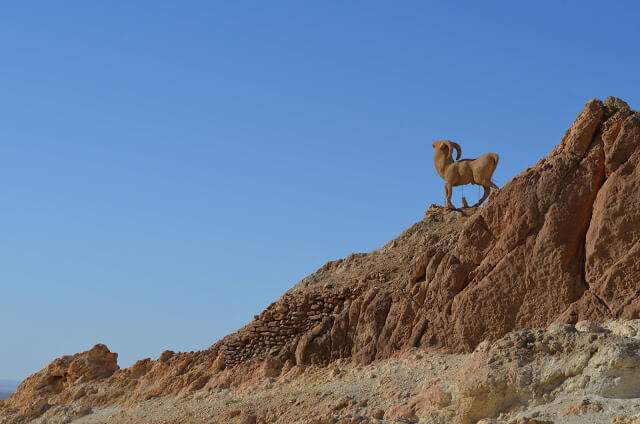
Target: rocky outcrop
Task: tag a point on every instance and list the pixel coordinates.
(612, 242)
(559, 242)
(538, 366)
(364, 306)
(63, 378)
(520, 261)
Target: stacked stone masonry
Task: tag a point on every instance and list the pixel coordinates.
(277, 330)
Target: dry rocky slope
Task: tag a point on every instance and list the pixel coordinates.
(558, 243)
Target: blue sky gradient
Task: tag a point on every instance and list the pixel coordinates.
(169, 169)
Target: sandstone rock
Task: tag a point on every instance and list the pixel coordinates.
(247, 418)
(402, 411)
(516, 421)
(438, 397)
(219, 364)
(626, 420)
(588, 326)
(34, 393)
(271, 368)
(581, 408)
(530, 421)
(535, 366)
(166, 355)
(615, 103)
(626, 328)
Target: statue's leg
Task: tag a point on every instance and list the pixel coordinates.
(487, 190)
(448, 189)
(493, 185)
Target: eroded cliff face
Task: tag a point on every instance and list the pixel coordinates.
(537, 370)
(559, 242)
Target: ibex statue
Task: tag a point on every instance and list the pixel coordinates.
(465, 171)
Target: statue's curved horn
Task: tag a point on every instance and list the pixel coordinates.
(451, 145)
(458, 149)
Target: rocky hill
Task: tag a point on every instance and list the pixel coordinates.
(557, 244)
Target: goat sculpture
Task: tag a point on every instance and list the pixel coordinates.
(466, 171)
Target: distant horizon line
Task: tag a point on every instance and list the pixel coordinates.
(9, 383)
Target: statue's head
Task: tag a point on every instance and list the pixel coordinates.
(447, 147)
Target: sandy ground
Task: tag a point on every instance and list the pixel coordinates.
(337, 392)
(341, 393)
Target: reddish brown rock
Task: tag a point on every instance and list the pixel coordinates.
(35, 394)
(219, 364)
(519, 263)
(64, 372)
(612, 249)
(581, 408)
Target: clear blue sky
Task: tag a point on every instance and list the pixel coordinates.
(168, 169)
